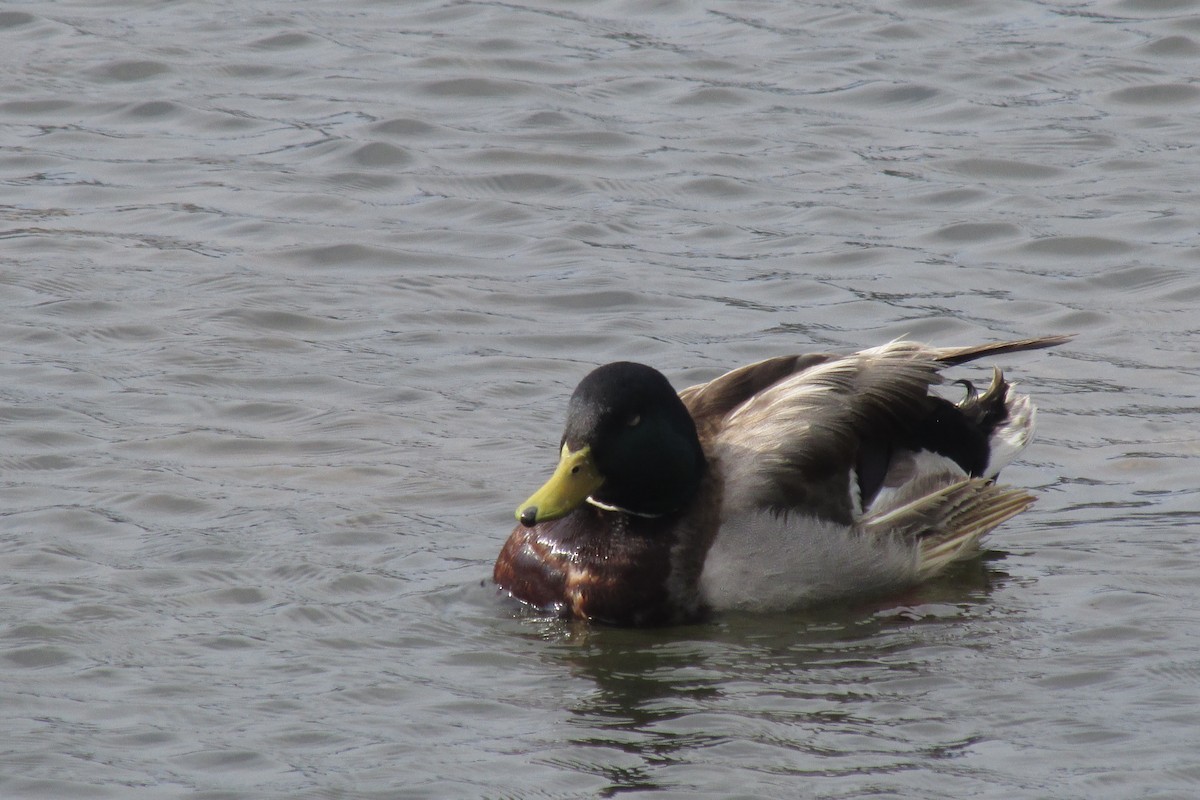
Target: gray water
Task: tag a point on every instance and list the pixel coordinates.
(292, 296)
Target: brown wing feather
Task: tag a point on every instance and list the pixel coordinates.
(792, 446)
(709, 403)
(948, 517)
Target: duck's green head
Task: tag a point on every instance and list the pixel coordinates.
(629, 445)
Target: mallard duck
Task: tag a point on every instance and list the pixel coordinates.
(790, 482)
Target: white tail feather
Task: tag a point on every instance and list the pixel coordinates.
(1010, 438)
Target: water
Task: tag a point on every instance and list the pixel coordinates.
(293, 295)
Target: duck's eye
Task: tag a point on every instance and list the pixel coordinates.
(634, 420)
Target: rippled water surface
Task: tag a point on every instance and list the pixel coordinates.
(292, 296)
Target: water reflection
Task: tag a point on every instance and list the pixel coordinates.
(781, 693)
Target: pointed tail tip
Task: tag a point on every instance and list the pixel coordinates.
(961, 355)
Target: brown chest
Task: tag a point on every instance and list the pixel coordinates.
(594, 564)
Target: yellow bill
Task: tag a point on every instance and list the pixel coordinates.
(573, 480)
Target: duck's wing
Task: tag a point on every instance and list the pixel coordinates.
(793, 446)
(709, 403)
(805, 440)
